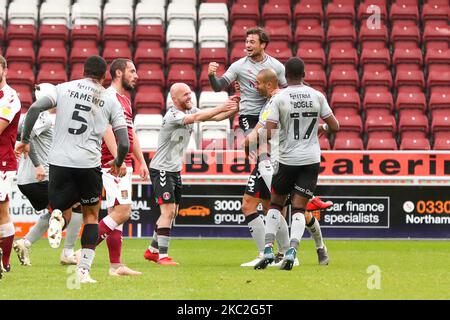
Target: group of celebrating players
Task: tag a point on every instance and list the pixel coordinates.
(64, 168)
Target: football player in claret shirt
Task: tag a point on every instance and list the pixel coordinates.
(118, 190)
(9, 122)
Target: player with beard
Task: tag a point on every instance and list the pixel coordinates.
(166, 165)
(119, 190)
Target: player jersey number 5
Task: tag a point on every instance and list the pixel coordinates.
(77, 115)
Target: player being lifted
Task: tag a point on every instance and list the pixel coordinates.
(244, 72)
(295, 111)
(119, 190)
(32, 180)
(166, 165)
(267, 86)
(83, 111)
(9, 121)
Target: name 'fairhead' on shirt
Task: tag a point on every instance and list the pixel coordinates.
(83, 111)
(173, 140)
(244, 71)
(297, 110)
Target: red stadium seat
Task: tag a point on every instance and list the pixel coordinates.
(53, 51)
(378, 97)
(151, 75)
(278, 30)
(280, 50)
(413, 120)
(347, 142)
(54, 73)
(405, 31)
(440, 120)
(116, 49)
(315, 76)
(378, 56)
(415, 144)
(149, 52)
(309, 30)
(85, 32)
(437, 78)
(149, 97)
(272, 11)
(340, 10)
(437, 55)
(435, 11)
(408, 55)
(344, 75)
(308, 10)
(21, 31)
(441, 141)
(214, 144)
(376, 75)
(374, 143)
(350, 122)
(341, 30)
(81, 50)
(439, 98)
(340, 53)
(21, 74)
(379, 120)
(373, 33)
(239, 29)
(218, 55)
(53, 32)
(435, 33)
(404, 11)
(410, 98)
(150, 32)
(182, 73)
(311, 54)
(181, 55)
(20, 51)
(407, 76)
(245, 11)
(345, 97)
(117, 32)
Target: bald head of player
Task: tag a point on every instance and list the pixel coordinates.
(266, 82)
(295, 71)
(181, 96)
(95, 68)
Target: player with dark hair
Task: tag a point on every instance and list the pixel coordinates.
(167, 162)
(9, 121)
(295, 112)
(119, 190)
(83, 111)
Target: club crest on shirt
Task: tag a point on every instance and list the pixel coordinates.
(124, 194)
(166, 196)
(6, 111)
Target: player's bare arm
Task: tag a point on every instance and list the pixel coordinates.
(205, 115)
(3, 125)
(331, 125)
(123, 145)
(137, 152)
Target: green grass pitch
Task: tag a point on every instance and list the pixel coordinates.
(209, 269)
